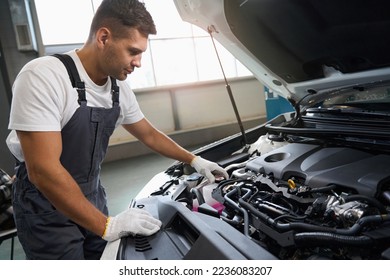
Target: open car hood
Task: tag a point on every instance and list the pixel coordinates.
(300, 47)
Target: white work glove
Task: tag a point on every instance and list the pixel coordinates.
(132, 221)
(207, 168)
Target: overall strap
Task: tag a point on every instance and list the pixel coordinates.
(114, 92)
(79, 85)
(73, 75)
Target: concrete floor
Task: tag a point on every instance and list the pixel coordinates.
(123, 180)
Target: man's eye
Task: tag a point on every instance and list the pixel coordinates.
(134, 52)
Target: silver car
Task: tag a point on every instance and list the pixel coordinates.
(313, 183)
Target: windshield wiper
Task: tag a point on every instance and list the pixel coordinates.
(336, 131)
(347, 111)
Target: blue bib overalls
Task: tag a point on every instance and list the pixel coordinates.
(43, 231)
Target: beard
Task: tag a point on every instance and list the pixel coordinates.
(114, 67)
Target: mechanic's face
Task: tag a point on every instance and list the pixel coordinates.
(122, 55)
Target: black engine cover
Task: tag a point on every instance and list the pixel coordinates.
(188, 235)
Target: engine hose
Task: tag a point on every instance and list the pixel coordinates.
(309, 239)
(238, 208)
(234, 223)
(237, 165)
(228, 182)
(279, 226)
(259, 214)
(270, 209)
(199, 195)
(355, 229)
(323, 189)
(368, 199)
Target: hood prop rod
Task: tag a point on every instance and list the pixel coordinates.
(210, 30)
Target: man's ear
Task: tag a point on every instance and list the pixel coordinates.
(102, 36)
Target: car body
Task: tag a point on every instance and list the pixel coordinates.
(309, 184)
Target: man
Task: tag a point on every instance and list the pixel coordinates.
(64, 110)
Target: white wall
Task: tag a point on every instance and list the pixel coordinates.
(194, 114)
(197, 106)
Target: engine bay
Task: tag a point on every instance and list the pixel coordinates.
(297, 200)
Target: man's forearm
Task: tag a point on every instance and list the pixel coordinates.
(165, 146)
(64, 193)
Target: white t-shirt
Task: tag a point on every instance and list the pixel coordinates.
(44, 99)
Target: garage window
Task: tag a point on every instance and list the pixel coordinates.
(179, 53)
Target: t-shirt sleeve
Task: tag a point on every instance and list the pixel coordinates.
(130, 108)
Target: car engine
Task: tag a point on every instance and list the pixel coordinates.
(302, 200)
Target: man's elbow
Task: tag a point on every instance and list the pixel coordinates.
(39, 174)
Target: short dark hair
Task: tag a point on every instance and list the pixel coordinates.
(117, 15)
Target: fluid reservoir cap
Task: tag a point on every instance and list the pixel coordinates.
(291, 184)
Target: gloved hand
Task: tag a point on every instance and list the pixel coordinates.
(207, 168)
(132, 221)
